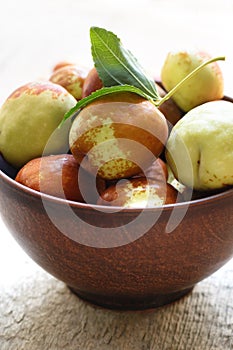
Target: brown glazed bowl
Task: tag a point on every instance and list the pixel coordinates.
(118, 258)
(107, 262)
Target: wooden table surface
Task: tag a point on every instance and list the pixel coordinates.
(38, 312)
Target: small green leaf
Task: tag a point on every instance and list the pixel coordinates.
(102, 92)
(116, 65)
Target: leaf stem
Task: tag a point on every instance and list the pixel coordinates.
(188, 77)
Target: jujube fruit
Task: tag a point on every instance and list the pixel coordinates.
(118, 135)
(59, 175)
(199, 149)
(205, 86)
(29, 117)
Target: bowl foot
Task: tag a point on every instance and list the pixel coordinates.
(126, 303)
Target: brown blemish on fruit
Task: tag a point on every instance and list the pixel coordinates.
(36, 88)
(126, 130)
(138, 192)
(71, 78)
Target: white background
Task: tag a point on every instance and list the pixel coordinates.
(35, 35)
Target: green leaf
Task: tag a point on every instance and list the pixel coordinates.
(102, 92)
(116, 65)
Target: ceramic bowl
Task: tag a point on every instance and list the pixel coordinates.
(120, 258)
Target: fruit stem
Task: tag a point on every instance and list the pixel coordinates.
(189, 76)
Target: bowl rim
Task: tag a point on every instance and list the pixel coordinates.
(228, 192)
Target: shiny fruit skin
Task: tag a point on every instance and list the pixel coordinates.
(199, 149)
(138, 193)
(29, 117)
(118, 136)
(91, 83)
(57, 175)
(207, 85)
(71, 77)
